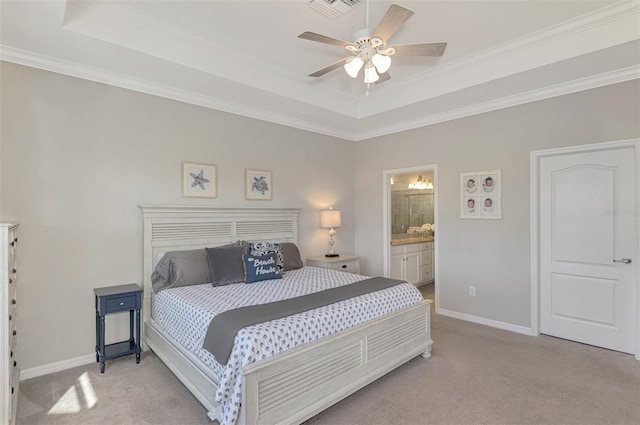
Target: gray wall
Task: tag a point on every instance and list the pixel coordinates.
(79, 157)
(493, 255)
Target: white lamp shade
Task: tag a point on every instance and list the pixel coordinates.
(330, 219)
(353, 67)
(370, 75)
(382, 62)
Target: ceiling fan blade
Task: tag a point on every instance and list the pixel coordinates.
(308, 35)
(420, 49)
(392, 21)
(321, 72)
(383, 77)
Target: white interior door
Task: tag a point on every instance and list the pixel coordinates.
(587, 204)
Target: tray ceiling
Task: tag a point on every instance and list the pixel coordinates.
(244, 57)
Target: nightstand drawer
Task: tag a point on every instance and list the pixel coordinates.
(346, 266)
(121, 303)
(343, 263)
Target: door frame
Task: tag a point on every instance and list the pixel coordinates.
(535, 159)
(386, 221)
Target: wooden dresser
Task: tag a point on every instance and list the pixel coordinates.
(9, 372)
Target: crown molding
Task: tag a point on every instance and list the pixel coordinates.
(47, 63)
(603, 28)
(59, 66)
(119, 24)
(581, 84)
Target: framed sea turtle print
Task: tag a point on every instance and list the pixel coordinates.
(199, 180)
(258, 185)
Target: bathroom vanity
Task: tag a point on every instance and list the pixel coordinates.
(412, 259)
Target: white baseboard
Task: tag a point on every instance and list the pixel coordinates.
(488, 322)
(91, 358)
(57, 366)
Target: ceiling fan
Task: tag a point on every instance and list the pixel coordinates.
(370, 50)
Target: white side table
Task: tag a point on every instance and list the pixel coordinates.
(343, 263)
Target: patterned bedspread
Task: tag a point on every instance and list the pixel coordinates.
(184, 314)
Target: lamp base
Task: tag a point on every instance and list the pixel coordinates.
(332, 255)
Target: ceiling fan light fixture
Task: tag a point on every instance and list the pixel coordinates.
(370, 75)
(381, 62)
(353, 67)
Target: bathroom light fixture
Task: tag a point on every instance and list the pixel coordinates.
(330, 219)
(421, 184)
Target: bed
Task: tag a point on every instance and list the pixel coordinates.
(293, 385)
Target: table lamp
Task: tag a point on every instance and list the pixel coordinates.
(330, 219)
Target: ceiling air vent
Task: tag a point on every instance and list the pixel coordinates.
(333, 8)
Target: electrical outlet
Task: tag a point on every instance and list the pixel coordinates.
(472, 291)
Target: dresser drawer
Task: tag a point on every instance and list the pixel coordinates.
(12, 318)
(13, 242)
(12, 271)
(14, 388)
(13, 371)
(13, 344)
(121, 303)
(11, 295)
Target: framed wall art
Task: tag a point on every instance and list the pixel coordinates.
(258, 185)
(199, 180)
(481, 195)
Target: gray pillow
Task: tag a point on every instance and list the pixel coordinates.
(181, 268)
(291, 255)
(225, 263)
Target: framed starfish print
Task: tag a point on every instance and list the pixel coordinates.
(199, 180)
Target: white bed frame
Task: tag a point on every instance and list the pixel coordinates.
(293, 386)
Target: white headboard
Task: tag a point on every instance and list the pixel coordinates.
(178, 228)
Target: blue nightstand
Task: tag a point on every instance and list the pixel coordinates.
(114, 299)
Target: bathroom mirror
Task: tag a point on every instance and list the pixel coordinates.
(410, 208)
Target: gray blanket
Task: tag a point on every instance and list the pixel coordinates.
(224, 326)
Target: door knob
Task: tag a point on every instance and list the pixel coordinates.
(624, 260)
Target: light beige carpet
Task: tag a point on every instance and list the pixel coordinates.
(477, 375)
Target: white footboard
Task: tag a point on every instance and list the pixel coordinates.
(296, 385)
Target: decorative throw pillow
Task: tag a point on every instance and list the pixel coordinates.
(264, 248)
(225, 263)
(260, 267)
(291, 255)
(181, 268)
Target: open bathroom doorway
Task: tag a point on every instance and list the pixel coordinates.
(410, 225)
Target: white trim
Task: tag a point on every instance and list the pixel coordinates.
(535, 158)
(386, 205)
(46, 369)
(488, 322)
(568, 87)
(86, 72)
